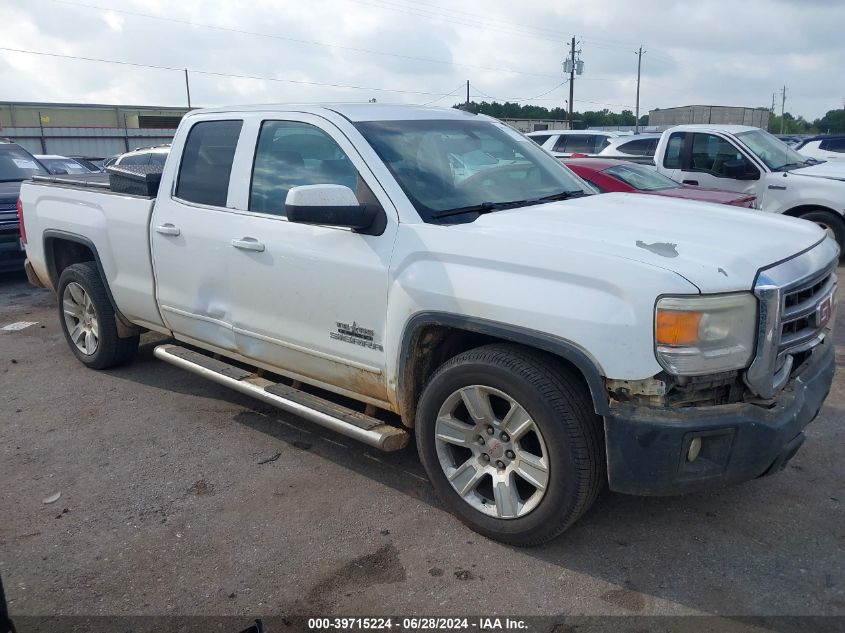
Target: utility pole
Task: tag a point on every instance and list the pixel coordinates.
(188, 88)
(571, 81)
(782, 108)
(639, 67)
(467, 95)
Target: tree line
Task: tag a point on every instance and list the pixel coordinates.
(832, 122)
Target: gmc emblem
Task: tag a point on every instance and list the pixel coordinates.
(823, 311)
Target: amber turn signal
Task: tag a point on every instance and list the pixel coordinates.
(675, 327)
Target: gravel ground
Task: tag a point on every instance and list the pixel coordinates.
(180, 497)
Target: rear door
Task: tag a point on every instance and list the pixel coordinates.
(191, 233)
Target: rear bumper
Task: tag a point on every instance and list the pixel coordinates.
(647, 447)
(11, 255)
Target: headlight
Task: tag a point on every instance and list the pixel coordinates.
(705, 335)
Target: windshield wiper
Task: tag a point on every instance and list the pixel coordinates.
(488, 207)
(563, 195)
(484, 207)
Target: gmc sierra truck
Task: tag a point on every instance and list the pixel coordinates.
(344, 264)
(750, 160)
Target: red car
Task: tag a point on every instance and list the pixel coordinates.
(619, 175)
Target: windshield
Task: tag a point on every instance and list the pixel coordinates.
(775, 153)
(64, 165)
(17, 164)
(446, 165)
(641, 178)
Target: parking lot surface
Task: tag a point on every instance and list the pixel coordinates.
(180, 497)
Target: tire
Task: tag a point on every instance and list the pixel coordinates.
(563, 434)
(83, 302)
(831, 222)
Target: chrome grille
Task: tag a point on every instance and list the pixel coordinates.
(796, 302)
(806, 310)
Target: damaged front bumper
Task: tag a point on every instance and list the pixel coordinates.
(648, 448)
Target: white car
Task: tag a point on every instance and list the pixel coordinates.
(540, 342)
(639, 145)
(564, 143)
(823, 147)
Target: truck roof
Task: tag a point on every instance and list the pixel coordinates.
(353, 111)
(713, 127)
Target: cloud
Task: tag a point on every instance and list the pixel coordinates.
(709, 52)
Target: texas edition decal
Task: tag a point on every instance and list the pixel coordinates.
(358, 335)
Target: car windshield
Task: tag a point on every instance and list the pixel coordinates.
(641, 178)
(64, 165)
(775, 153)
(461, 168)
(17, 164)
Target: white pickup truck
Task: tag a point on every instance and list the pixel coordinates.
(541, 342)
(750, 160)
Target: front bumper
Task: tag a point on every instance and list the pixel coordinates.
(11, 255)
(647, 447)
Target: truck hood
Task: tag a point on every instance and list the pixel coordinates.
(717, 248)
(834, 170)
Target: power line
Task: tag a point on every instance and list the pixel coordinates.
(219, 74)
(450, 94)
(297, 40)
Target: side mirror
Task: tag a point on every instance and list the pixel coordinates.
(328, 205)
(735, 169)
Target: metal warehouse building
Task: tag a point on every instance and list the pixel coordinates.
(720, 115)
(87, 130)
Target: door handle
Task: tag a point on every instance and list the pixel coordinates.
(248, 244)
(168, 229)
(690, 182)
(778, 187)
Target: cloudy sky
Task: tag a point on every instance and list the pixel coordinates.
(420, 51)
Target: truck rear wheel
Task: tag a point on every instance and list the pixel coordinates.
(511, 443)
(88, 319)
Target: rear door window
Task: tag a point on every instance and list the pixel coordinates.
(541, 138)
(638, 147)
(207, 162)
(834, 145)
(576, 144)
(672, 159)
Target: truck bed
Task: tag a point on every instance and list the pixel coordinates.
(116, 226)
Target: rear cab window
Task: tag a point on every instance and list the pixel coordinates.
(206, 166)
(672, 157)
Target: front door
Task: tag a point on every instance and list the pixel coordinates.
(703, 164)
(310, 301)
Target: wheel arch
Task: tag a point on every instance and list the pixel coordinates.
(431, 338)
(801, 209)
(62, 249)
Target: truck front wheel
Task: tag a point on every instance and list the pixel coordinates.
(88, 319)
(511, 443)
